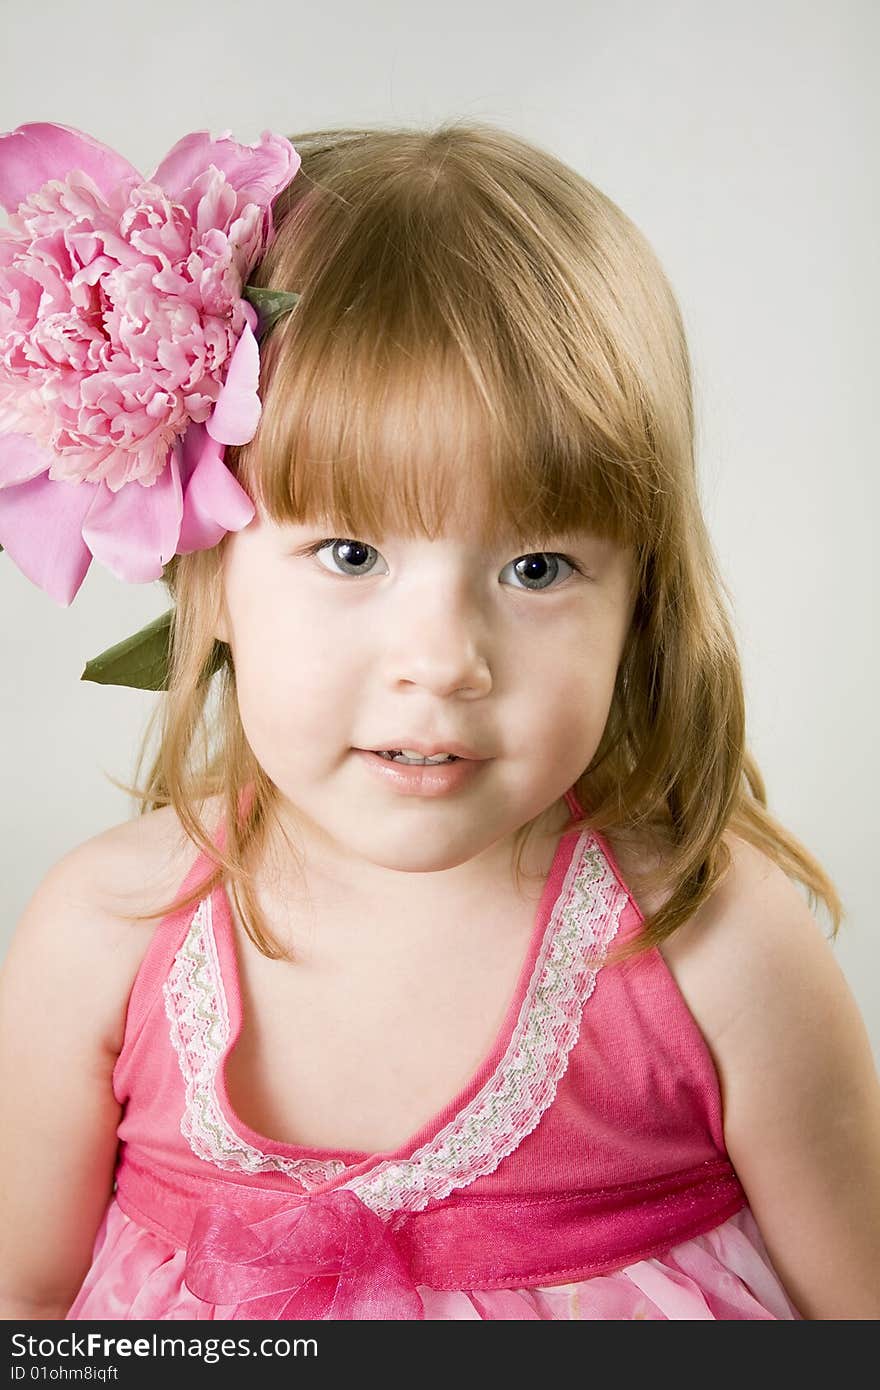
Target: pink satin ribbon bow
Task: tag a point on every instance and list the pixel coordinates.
(329, 1256)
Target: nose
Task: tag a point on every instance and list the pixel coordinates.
(437, 637)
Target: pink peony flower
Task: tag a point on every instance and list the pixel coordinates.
(127, 354)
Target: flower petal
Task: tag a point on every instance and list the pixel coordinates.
(237, 409)
(32, 154)
(134, 531)
(213, 501)
(21, 457)
(41, 524)
(257, 172)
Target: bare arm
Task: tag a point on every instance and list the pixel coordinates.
(63, 991)
(800, 1089)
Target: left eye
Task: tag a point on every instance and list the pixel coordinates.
(540, 569)
(533, 567)
(351, 554)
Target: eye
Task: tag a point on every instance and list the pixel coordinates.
(541, 569)
(352, 555)
(537, 571)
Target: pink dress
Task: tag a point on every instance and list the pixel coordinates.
(581, 1173)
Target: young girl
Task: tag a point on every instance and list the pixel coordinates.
(542, 1029)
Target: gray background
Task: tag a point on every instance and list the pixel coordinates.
(743, 141)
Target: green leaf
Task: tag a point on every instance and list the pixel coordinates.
(269, 304)
(141, 661)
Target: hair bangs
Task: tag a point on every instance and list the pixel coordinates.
(431, 442)
(405, 395)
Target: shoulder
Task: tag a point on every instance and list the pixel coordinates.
(136, 866)
(140, 863)
(75, 925)
(753, 964)
(753, 957)
(752, 927)
(764, 986)
(800, 1092)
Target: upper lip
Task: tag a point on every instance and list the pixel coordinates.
(427, 750)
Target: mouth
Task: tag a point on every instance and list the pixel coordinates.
(414, 749)
(397, 755)
(421, 778)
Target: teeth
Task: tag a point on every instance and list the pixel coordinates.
(407, 755)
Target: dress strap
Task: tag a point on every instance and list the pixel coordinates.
(574, 806)
(167, 936)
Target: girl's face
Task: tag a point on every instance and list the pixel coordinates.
(376, 641)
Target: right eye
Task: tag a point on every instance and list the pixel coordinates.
(352, 555)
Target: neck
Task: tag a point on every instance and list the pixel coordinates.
(332, 891)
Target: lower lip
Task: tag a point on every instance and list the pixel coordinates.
(423, 779)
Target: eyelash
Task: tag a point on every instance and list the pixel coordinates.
(313, 549)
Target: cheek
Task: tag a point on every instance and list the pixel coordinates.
(567, 706)
(290, 677)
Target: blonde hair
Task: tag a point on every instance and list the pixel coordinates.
(480, 327)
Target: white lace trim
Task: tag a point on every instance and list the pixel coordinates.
(510, 1105)
(584, 921)
(195, 1002)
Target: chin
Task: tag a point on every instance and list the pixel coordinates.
(413, 860)
(418, 850)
